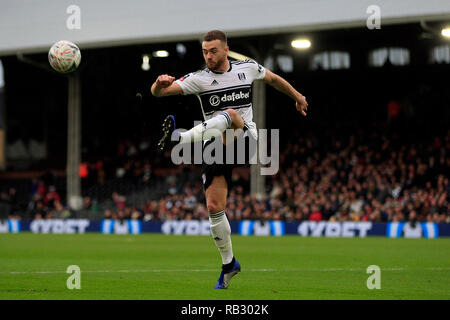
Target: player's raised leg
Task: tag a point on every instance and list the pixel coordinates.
(216, 200)
(216, 125)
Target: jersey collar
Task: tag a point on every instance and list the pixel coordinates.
(229, 69)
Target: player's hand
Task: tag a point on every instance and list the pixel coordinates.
(164, 81)
(301, 105)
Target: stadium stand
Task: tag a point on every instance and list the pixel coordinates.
(336, 177)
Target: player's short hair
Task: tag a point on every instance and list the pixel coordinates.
(215, 35)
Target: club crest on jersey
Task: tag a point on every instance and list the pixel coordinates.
(241, 76)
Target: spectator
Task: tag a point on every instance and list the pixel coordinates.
(119, 200)
(51, 197)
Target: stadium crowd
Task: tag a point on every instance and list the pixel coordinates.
(44, 202)
(360, 177)
(366, 179)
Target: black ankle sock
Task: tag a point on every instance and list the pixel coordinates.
(228, 266)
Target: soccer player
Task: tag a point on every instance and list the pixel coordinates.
(224, 91)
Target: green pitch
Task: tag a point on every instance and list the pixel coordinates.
(154, 266)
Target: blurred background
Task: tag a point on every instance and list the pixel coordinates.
(375, 145)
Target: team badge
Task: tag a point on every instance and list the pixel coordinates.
(241, 76)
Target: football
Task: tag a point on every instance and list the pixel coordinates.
(64, 56)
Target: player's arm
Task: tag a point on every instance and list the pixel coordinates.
(282, 85)
(165, 86)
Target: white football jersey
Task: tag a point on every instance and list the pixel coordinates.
(218, 91)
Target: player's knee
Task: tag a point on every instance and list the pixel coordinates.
(214, 206)
(237, 120)
(233, 114)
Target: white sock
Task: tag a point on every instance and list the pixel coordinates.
(221, 232)
(215, 127)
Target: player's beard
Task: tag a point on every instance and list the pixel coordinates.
(217, 65)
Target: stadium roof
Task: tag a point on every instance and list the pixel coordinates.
(32, 26)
